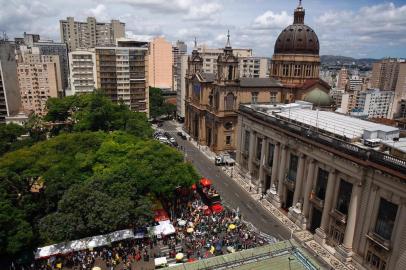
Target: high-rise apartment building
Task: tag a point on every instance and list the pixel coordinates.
(254, 67)
(47, 47)
(82, 65)
(90, 34)
(400, 92)
(355, 83)
(10, 100)
(160, 63)
(342, 79)
(122, 74)
(374, 103)
(210, 56)
(39, 78)
(385, 74)
(50, 47)
(179, 73)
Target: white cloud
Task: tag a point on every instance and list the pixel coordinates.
(369, 28)
(99, 12)
(190, 9)
(272, 20)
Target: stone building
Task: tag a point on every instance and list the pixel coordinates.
(212, 99)
(323, 169)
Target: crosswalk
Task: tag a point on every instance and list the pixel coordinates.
(165, 252)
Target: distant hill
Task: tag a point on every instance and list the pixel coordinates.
(339, 61)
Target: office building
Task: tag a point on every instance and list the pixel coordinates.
(328, 172)
(39, 78)
(122, 74)
(10, 99)
(82, 65)
(90, 34)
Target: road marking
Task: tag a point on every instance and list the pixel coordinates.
(226, 184)
(236, 195)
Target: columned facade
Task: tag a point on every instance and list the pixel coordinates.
(357, 211)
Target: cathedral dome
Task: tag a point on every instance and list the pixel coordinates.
(297, 38)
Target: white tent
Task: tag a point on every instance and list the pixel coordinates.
(85, 243)
(163, 228)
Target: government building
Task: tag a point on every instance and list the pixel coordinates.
(332, 175)
(212, 99)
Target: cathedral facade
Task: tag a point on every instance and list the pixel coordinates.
(212, 100)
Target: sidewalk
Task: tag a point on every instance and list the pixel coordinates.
(302, 236)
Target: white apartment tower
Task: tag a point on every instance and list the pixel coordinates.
(82, 65)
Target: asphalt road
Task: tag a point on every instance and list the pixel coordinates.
(231, 193)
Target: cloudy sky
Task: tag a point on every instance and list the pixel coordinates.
(358, 28)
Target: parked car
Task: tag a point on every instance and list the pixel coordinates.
(182, 135)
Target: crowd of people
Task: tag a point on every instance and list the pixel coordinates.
(199, 234)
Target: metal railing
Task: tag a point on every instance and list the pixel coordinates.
(371, 155)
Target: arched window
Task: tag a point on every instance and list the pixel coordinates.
(230, 72)
(229, 101)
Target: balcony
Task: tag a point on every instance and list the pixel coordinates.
(377, 239)
(339, 216)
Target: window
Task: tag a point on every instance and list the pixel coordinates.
(271, 149)
(228, 140)
(247, 141)
(285, 70)
(386, 219)
(308, 70)
(254, 97)
(321, 186)
(229, 102)
(273, 97)
(292, 172)
(297, 70)
(259, 148)
(344, 197)
(230, 72)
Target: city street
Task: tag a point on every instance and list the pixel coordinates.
(231, 193)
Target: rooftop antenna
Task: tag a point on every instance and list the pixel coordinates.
(195, 43)
(300, 3)
(228, 38)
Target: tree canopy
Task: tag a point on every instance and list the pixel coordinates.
(94, 174)
(94, 112)
(81, 184)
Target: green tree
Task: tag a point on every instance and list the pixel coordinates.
(9, 133)
(84, 183)
(156, 101)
